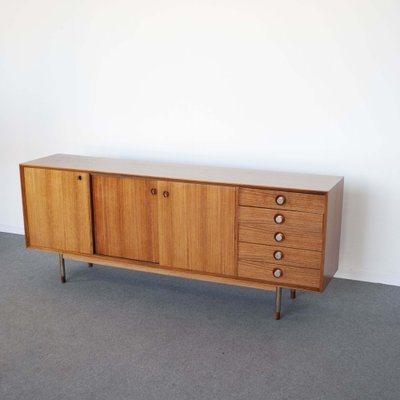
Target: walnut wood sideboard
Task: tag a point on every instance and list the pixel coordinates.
(264, 230)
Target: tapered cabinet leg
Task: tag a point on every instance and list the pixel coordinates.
(278, 301)
(62, 268)
(292, 293)
(90, 265)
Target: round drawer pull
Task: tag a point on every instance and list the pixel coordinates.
(153, 191)
(277, 273)
(278, 255)
(279, 219)
(279, 237)
(280, 200)
(165, 193)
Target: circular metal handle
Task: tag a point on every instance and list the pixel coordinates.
(279, 237)
(165, 193)
(279, 219)
(277, 273)
(153, 191)
(278, 255)
(280, 200)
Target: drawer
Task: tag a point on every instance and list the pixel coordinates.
(291, 220)
(281, 200)
(290, 276)
(267, 234)
(288, 256)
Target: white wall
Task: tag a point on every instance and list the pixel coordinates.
(307, 86)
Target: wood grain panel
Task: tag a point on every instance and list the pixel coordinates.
(292, 276)
(197, 227)
(333, 230)
(125, 217)
(24, 206)
(293, 201)
(190, 173)
(77, 212)
(58, 209)
(265, 234)
(293, 221)
(293, 257)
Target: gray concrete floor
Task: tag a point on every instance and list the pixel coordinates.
(115, 334)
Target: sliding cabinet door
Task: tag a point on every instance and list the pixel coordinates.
(125, 217)
(197, 227)
(57, 205)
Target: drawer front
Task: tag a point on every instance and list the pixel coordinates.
(287, 256)
(291, 276)
(279, 236)
(291, 220)
(281, 200)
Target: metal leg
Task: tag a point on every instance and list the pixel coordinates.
(292, 293)
(90, 265)
(278, 298)
(62, 268)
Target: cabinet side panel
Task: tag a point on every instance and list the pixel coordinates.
(24, 208)
(44, 207)
(333, 230)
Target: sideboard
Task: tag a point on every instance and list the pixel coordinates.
(252, 228)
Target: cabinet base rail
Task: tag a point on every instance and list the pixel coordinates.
(178, 274)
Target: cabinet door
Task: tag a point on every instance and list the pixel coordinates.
(125, 217)
(58, 214)
(197, 227)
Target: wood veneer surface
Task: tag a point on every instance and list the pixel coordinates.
(291, 276)
(58, 209)
(125, 217)
(197, 227)
(196, 173)
(293, 257)
(293, 221)
(265, 234)
(312, 203)
(333, 230)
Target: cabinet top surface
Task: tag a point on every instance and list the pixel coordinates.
(187, 172)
